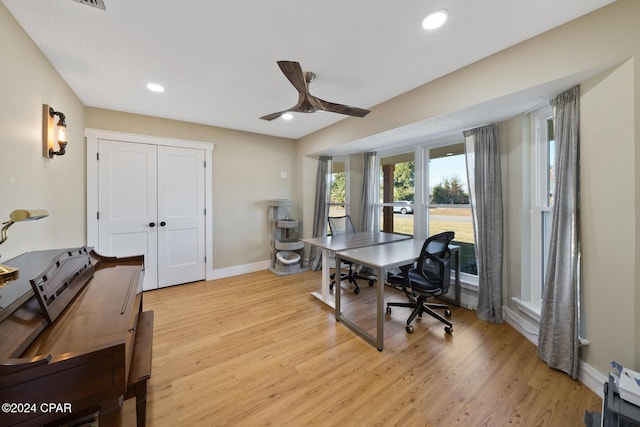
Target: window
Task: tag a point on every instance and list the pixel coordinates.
(543, 183)
(397, 193)
(338, 201)
(449, 204)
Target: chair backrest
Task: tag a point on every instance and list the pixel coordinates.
(434, 262)
(341, 225)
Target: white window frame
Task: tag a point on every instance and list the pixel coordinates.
(530, 301)
(421, 201)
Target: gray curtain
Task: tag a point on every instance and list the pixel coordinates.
(559, 329)
(485, 191)
(321, 210)
(368, 201)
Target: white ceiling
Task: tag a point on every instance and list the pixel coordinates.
(217, 59)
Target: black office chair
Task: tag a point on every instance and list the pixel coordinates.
(342, 225)
(428, 277)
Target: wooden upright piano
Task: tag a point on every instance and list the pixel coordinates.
(70, 328)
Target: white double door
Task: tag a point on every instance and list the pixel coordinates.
(151, 202)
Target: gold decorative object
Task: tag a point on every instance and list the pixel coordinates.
(7, 274)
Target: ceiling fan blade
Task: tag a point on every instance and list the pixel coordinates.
(308, 103)
(274, 116)
(321, 104)
(293, 72)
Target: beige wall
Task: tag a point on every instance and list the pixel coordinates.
(515, 165)
(27, 179)
(609, 220)
(609, 131)
(246, 175)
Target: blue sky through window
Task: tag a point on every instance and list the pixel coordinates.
(447, 167)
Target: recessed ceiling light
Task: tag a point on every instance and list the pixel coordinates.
(287, 116)
(435, 20)
(155, 87)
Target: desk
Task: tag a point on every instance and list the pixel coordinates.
(330, 244)
(382, 258)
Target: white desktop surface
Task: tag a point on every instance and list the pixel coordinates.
(383, 258)
(331, 244)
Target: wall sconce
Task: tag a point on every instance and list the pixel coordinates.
(7, 273)
(53, 134)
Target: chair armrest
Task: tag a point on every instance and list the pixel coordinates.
(405, 268)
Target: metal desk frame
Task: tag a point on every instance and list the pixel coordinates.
(331, 244)
(383, 258)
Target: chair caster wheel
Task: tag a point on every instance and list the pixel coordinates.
(448, 330)
(356, 291)
(372, 282)
(409, 329)
(388, 310)
(447, 313)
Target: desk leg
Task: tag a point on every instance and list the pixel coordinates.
(326, 273)
(457, 283)
(337, 289)
(376, 341)
(380, 309)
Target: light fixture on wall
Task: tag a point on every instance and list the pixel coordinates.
(53, 133)
(7, 273)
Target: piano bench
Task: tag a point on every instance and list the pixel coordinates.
(140, 370)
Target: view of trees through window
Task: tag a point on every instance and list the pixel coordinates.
(403, 181)
(449, 204)
(397, 193)
(337, 201)
(448, 198)
(450, 191)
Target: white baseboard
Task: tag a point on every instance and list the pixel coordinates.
(520, 324)
(587, 374)
(592, 378)
(236, 270)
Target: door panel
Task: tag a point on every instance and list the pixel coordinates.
(181, 251)
(128, 243)
(127, 194)
(151, 202)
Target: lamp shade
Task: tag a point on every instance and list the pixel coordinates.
(28, 214)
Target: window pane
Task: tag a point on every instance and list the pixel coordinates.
(542, 189)
(337, 199)
(337, 210)
(397, 193)
(546, 237)
(338, 183)
(402, 223)
(449, 208)
(551, 160)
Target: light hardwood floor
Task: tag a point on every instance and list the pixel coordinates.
(258, 350)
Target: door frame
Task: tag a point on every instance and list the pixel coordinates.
(94, 135)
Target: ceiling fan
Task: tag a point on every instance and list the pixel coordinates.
(308, 103)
